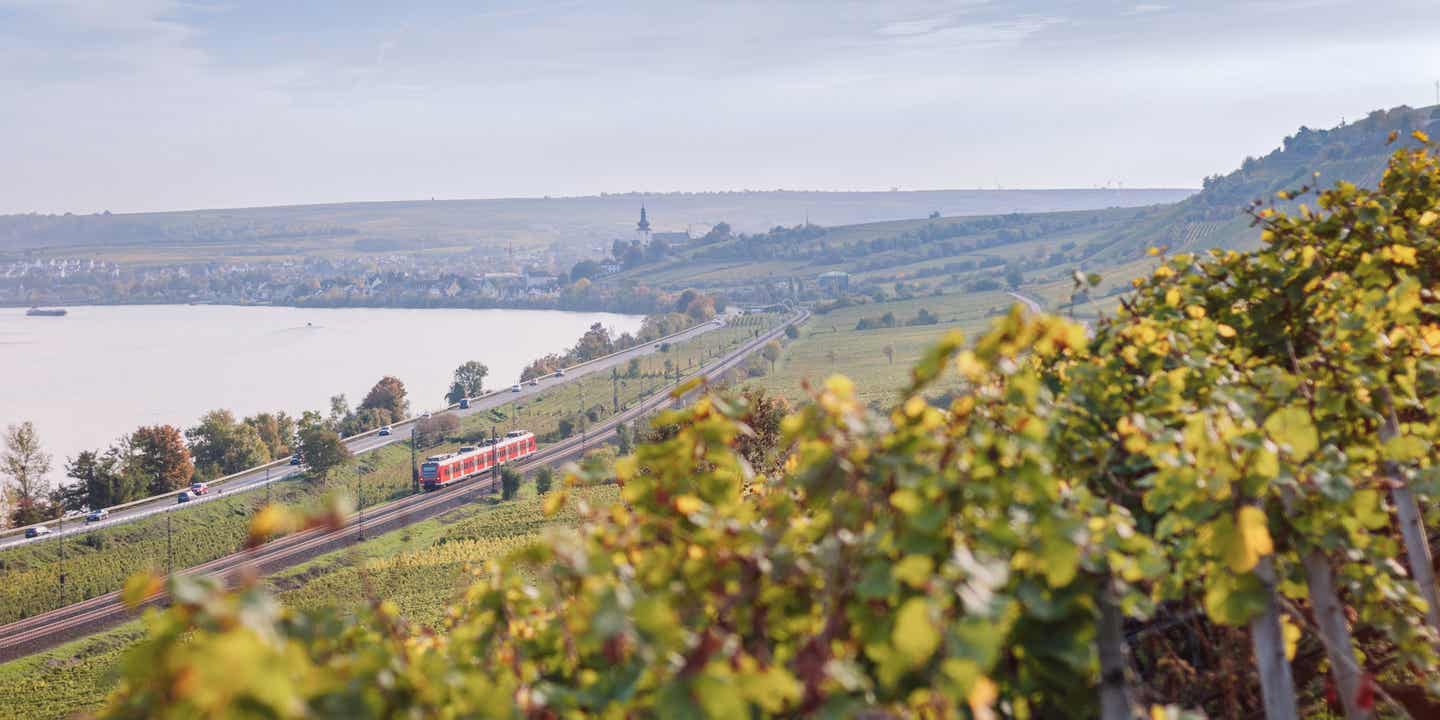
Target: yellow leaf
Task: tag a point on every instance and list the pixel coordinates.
(840, 385)
(1307, 255)
(138, 587)
(1421, 136)
(1172, 296)
(1251, 542)
(907, 501)
(688, 504)
(1291, 633)
(914, 570)
(1224, 330)
(1428, 218)
(983, 695)
(915, 636)
(1195, 312)
(553, 502)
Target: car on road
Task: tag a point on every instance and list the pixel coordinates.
(40, 531)
(514, 388)
(199, 488)
(560, 372)
(184, 497)
(426, 416)
(464, 403)
(534, 382)
(384, 430)
(97, 515)
(295, 459)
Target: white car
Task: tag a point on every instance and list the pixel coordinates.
(514, 388)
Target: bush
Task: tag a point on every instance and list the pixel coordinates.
(509, 482)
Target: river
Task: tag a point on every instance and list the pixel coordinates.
(100, 372)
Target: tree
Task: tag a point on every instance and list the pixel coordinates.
(26, 463)
(544, 478)
(339, 410)
(100, 480)
(1014, 276)
(388, 394)
(221, 445)
(632, 369)
(771, 352)
(276, 431)
(792, 332)
(432, 430)
(322, 449)
(158, 454)
(469, 381)
(509, 482)
(584, 270)
(623, 442)
(566, 427)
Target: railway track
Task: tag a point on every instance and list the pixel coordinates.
(49, 629)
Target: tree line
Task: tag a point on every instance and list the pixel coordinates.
(156, 459)
(690, 307)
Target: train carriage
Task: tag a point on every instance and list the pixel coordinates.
(439, 471)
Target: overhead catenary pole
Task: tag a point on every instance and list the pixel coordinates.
(414, 468)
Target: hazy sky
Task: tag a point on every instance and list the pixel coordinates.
(151, 104)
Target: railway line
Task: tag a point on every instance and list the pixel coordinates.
(77, 620)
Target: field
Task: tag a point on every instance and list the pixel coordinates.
(420, 568)
(830, 343)
(97, 562)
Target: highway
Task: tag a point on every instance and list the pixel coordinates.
(49, 629)
(358, 444)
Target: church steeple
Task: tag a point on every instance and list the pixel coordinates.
(644, 224)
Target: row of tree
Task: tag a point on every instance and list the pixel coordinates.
(157, 459)
(690, 307)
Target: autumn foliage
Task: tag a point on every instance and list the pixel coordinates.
(1240, 440)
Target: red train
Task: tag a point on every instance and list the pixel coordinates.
(438, 471)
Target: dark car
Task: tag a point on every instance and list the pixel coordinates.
(464, 403)
(38, 531)
(184, 497)
(97, 515)
(295, 459)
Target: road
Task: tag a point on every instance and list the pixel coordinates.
(359, 444)
(49, 629)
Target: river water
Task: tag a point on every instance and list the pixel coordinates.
(100, 372)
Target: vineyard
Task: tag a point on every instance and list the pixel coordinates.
(420, 568)
(98, 562)
(1212, 503)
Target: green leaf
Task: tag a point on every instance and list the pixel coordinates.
(1293, 428)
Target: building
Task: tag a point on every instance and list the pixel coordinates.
(834, 281)
(642, 228)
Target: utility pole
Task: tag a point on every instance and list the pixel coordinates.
(62, 559)
(169, 545)
(359, 502)
(414, 469)
(267, 484)
(615, 389)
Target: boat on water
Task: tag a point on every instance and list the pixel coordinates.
(46, 312)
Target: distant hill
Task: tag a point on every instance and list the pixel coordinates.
(580, 224)
(1214, 217)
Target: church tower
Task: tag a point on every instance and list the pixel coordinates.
(642, 228)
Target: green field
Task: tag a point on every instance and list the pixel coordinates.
(99, 561)
(420, 568)
(830, 343)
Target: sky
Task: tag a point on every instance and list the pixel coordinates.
(139, 105)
